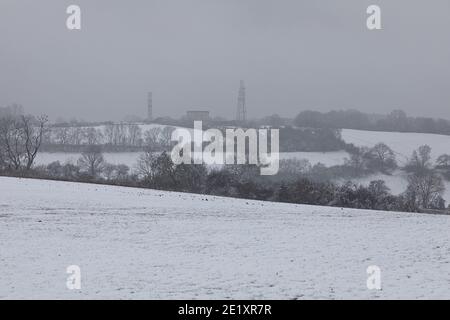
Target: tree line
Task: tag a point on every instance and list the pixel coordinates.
(111, 136)
(397, 121)
(156, 170)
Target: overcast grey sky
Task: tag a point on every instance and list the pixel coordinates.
(292, 54)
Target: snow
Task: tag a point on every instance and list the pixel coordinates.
(333, 158)
(403, 143)
(138, 243)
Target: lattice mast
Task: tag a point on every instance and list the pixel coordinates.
(149, 106)
(241, 107)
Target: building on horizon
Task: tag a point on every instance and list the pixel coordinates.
(198, 115)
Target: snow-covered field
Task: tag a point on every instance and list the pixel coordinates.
(135, 243)
(333, 158)
(403, 143)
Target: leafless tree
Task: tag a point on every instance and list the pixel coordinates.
(3, 162)
(120, 134)
(109, 170)
(109, 134)
(166, 136)
(62, 135)
(122, 171)
(357, 161)
(116, 134)
(11, 142)
(92, 160)
(21, 138)
(75, 135)
(134, 134)
(145, 163)
(92, 136)
(34, 131)
(420, 161)
(425, 189)
(443, 161)
(152, 137)
(382, 158)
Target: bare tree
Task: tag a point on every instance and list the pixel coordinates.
(75, 135)
(420, 161)
(62, 135)
(11, 140)
(424, 190)
(443, 161)
(92, 136)
(21, 138)
(144, 164)
(3, 162)
(92, 161)
(116, 134)
(133, 134)
(109, 133)
(120, 134)
(34, 132)
(357, 161)
(152, 137)
(166, 136)
(382, 158)
(109, 170)
(122, 171)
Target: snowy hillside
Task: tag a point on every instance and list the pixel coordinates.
(135, 243)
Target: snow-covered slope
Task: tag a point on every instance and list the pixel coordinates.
(135, 243)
